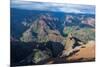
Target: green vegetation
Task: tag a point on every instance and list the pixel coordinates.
(68, 30)
(40, 55)
(85, 34)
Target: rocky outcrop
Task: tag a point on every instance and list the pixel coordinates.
(55, 36)
(27, 36)
(36, 32)
(40, 55)
(89, 21)
(85, 53)
(71, 43)
(68, 45)
(40, 30)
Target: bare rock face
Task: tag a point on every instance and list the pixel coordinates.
(27, 36)
(69, 45)
(85, 54)
(36, 32)
(40, 31)
(72, 43)
(55, 36)
(89, 21)
(85, 51)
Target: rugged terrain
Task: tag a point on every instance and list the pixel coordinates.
(43, 37)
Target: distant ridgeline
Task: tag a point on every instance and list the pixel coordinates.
(42, 26)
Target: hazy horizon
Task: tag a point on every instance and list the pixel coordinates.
(55, 7)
